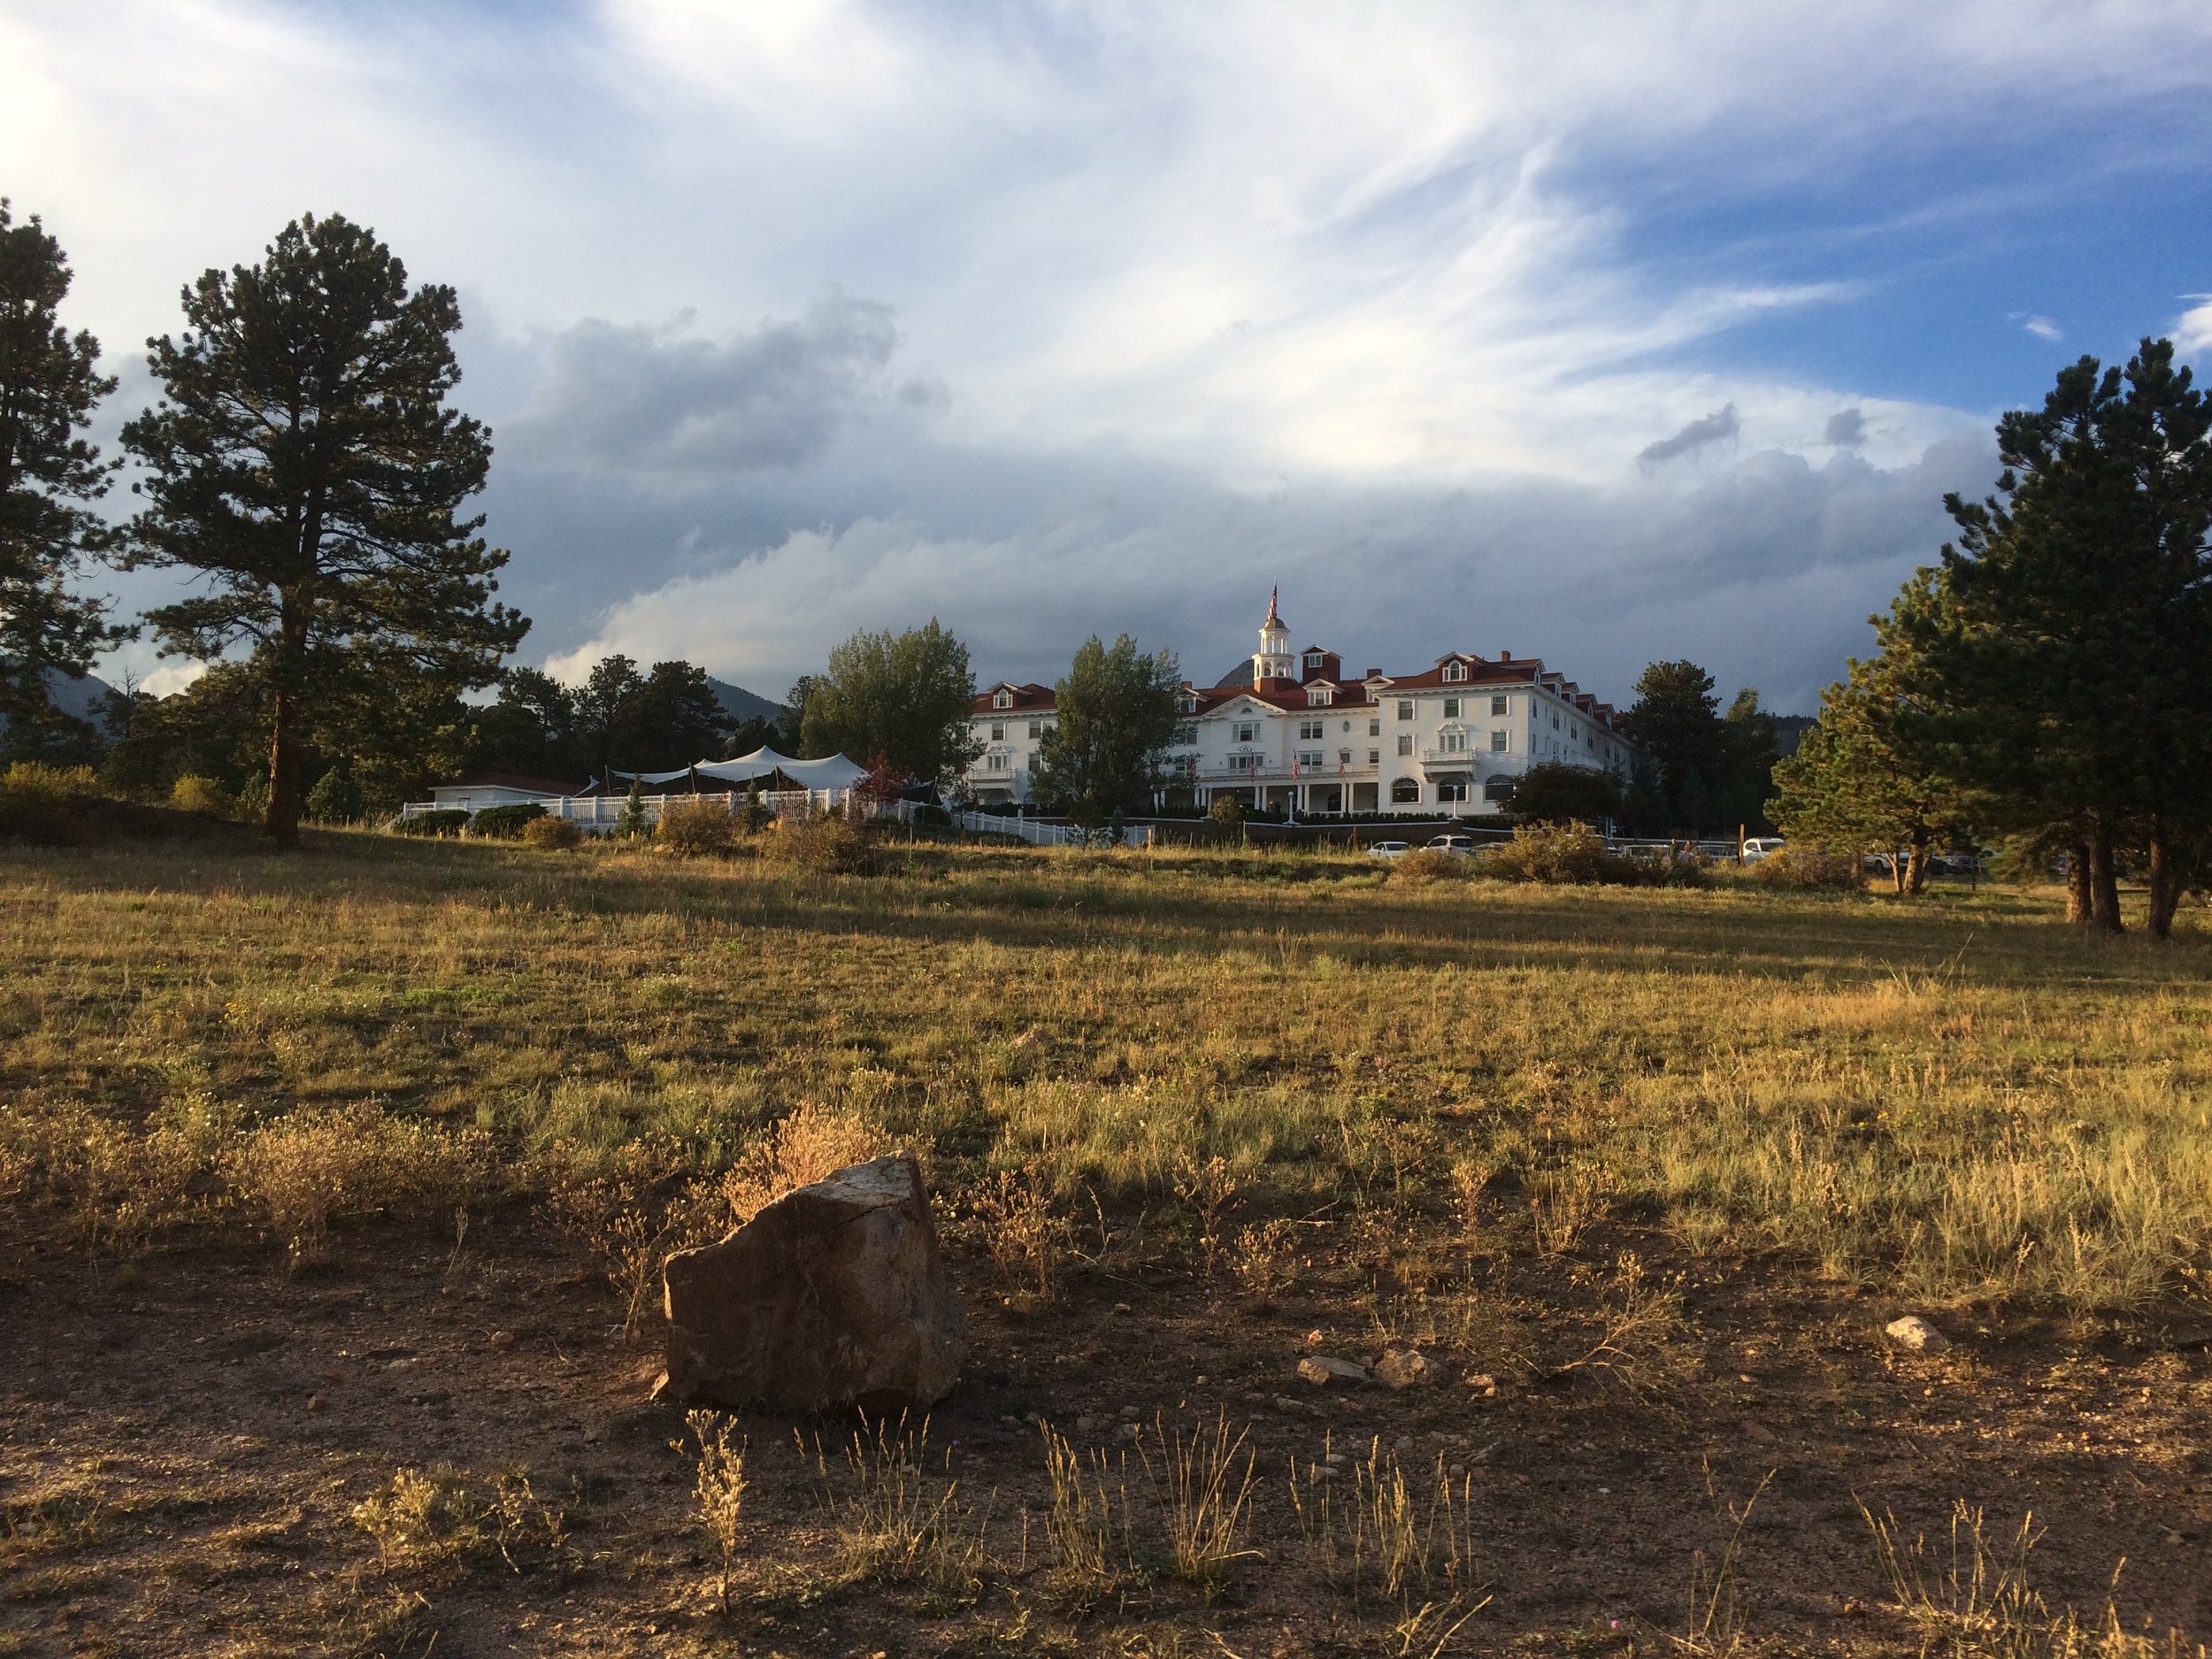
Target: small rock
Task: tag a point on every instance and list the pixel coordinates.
(1131, 1431)
(1085, 1423)
(1130, 1414)
(314, 1402)
(1314, 1339)
(503, 1339)
(1322, 1471)
(1759, 1431)
(1121, 1307)
(1457, 1471)
(1321, 1369)
(1483, 1383)
(1401, 1368)
(1915, 1335)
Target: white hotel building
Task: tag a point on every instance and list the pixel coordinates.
(1292, 731)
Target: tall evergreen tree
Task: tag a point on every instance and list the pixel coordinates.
(49, 381)
(2057, 665)
(1851, 787)
(1114, 718)
(1677, 719)
(304, 460)
(905, 696)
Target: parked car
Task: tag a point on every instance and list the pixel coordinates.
(1759, 845)
(1453, 844)
(1387, 849)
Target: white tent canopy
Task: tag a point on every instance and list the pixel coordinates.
(833, 772)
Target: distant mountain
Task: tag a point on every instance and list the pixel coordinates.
(741, 705)
(77, 696)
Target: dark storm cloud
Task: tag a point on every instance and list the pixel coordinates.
(1714, 428)
(1845, 429)
(655, 399)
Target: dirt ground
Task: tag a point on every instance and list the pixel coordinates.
(183, 1443)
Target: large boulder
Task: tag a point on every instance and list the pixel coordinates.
(834, 1296)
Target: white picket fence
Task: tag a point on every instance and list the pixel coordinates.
(599, 814)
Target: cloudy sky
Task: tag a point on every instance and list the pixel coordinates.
(1604, 332)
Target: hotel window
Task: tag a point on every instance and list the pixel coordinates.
(1036, 728)
(1403, 790)
(1320, 697)
(1004, 700)
(1453, 672)
(1451, 708)
(1405, 707)
(1405, 742)
(1452, 742)
(1457, 791)
(1248, 731)
(1309, 759)
(1186, 705)
(1315, 660)
(1497, 705)
(998, 731)
(1308, 730)
(1374, 728)
(1374, 757)
(1497, 742)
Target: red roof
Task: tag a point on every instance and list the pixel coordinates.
(1029, 699)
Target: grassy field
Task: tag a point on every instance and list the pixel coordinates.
(334, 1184)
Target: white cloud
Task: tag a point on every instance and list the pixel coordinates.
(2043, 328)
(1119, 281)
(2192, 330)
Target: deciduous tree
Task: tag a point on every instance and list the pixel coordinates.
(1114, 718)
(304, 459)
(904, 695)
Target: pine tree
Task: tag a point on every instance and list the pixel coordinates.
(49, 381)
(2057, 670)
(1850, 787)
(304, 459)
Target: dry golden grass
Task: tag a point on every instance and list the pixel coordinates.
(1540, 1133)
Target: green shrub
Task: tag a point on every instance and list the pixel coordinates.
(336, 799)
(697, 827)
(195, 793)
(1554, 853)
(451, 821)
(504, 823)
(1226, 818)
(755, 816)
(554, 834)
(1808, 867)
(30, 781)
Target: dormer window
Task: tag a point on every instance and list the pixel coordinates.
(1186, 705)
(1453, 672)
(1316, 661)
(1004, 700)
(1319, 698)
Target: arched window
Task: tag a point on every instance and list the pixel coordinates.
(1454, 671)
(1004, 700)
(1405, 792)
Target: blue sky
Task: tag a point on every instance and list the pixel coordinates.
(1605, 333)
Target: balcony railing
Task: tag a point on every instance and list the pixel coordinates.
(1453, 756)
